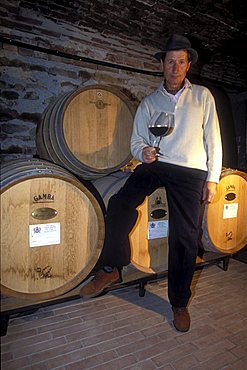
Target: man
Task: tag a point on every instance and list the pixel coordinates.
(189, 168)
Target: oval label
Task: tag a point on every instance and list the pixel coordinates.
(44, 213)
(158, 213)
(230, 196)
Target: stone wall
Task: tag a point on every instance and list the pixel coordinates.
(32, 80)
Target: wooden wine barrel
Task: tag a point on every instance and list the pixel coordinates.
(149, 236)
(224, 222)
(87, 131)
(52, 230)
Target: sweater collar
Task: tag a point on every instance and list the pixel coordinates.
(187, 84)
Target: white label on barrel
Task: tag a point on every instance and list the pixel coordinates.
(230, 210)
(44, 234)
(157, 229)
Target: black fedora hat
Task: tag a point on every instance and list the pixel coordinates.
(178, 42)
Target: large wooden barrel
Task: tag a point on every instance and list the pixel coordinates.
(149, 236)
(87, 131)
(224, 221)
(52, 230)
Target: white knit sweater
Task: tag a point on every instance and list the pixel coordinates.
(195, 141)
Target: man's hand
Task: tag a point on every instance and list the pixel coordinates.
(149, 154)
(209, 191)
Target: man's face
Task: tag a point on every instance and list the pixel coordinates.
(175, 67)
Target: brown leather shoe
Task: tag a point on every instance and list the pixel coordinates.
(181, 318)
(100, 282)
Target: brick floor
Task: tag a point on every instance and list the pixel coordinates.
(122, 330)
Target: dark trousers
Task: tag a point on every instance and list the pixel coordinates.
(184, 193)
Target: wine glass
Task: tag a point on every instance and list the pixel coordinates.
(162, 124)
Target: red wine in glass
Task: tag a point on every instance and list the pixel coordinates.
(163, 125)
(161, 130)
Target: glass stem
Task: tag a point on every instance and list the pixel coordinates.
(159, 141)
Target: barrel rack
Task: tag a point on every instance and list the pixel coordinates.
(12, 306)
